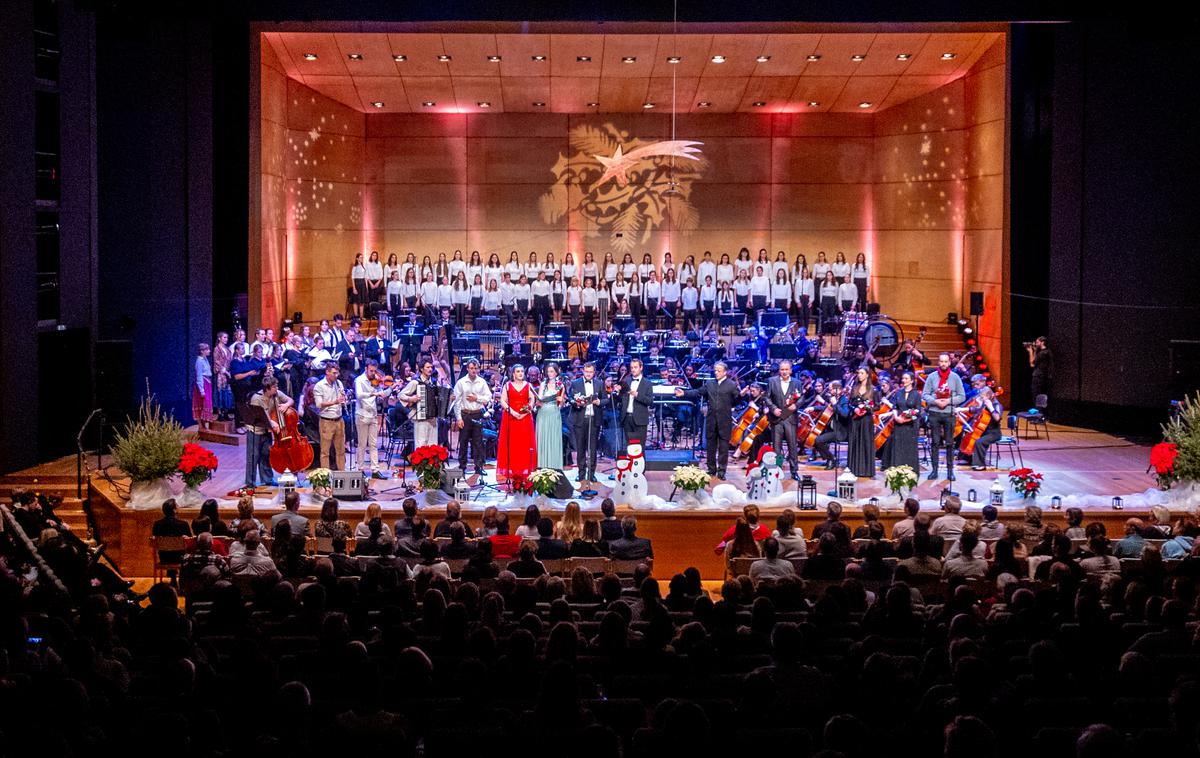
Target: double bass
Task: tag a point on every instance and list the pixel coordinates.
(290, 449)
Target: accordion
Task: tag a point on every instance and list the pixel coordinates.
(433, 401)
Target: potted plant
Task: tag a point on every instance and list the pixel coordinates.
(690, 479)
(542, 482)
(901, 480)
(428, 461)
(1025, 481)
(196, 466)
(322, 483)
(148, 449)
(1179, 460)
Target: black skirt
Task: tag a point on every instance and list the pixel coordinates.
(360, 292)
(558, 301)
(860, 457)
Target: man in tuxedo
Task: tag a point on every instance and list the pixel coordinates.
(637, 396)
(379, 349)
(722, 393)
(783, 397)
(586, 417)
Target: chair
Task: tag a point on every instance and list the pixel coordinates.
(456, 565)
(594, 565)
(1012, 441)
(1036, 418)
(741, 566)
(554, 566)
(160, 545)
(626, 568)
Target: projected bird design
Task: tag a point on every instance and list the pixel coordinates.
(620, 162)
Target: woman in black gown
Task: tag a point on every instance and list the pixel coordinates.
(864, 399)
(906, 404)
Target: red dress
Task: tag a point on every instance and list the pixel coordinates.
(516, 453)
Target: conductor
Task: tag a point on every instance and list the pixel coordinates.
(722, 393)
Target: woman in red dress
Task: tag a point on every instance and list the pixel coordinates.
(516, 453)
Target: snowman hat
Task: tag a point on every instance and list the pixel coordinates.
(758, 462)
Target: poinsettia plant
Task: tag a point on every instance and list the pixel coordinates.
(428, 461)
(1162, 458)
(1025, 481)
(196, 464)
(520, 484)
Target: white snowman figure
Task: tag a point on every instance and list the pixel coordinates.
(765, 476)
(631, 475)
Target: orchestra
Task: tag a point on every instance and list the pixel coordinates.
(627, 352)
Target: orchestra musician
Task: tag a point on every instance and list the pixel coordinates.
(421, 396)
(265, 407)
(909, 358)
(472, 397)
(368, 388)
(783, 397)
(838, 429)
(722, 393)
(635, 400)
(863, 400)
(906, 410)
(987, 399)
(943, 395)
(330, 396)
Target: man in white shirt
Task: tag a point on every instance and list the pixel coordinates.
(366, 416)
(585, 423)
(330, 397)
(250, 561)
(472, 396)
(508, 299)
(425, 420)
(847, 294)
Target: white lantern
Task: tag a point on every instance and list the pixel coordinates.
(462, 491)
(847, 487)
(996, 494)
(287, 482)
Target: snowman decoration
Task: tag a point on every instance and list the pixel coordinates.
(631, 475)
(765, 476)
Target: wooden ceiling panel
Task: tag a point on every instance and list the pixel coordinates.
(275, 40)
(469, 91)
(620, 94)
(910, 87)
(521, 92)
(823, 90)
(571, 94)
(340, 88)
(775, 91)
(565, 49)
(881, 58)
(643, 47)
(435, 89)
(864, 89)
(517, 51)
(421, 51)
(469, 54)
(723, 92)
(388, 90)
(660, 92)
(836, 51)
(375, 51)
(693, 49)
(329, 62)
(929, 61)
(789, 54)
(739, 50)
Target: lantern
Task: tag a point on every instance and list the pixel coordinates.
(287, 482)
(806, 494)
(847, 487)
(971, 496)
(874, 501)
(1056, 503)
(1118, 504)
(462, 491)
(996, 493)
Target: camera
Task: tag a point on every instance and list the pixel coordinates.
(1029, 344)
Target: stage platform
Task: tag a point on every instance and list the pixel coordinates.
(1085, 467)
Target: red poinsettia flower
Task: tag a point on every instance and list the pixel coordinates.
(1162, 458)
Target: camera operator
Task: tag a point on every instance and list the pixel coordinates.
(1041, 360)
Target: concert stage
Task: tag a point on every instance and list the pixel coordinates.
(1084, 467)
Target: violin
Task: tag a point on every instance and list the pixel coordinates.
(385, 381)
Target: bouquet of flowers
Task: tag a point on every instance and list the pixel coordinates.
(520, 484)
(428, 462)
(899, 478)
(320, 477)
(543, 480)
(1025, 481)
(1162, 458)
(242, 492)
(690, 478)
(196, 464)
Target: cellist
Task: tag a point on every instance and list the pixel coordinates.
(987, 399)
(838, 429)
(265, 408)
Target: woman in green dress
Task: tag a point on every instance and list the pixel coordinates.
(549, 419)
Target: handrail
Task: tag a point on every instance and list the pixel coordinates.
(44, 570)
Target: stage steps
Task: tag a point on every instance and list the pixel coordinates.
(220, 432)
(61, 485)
(939, 338)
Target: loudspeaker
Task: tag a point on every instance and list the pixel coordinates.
(348, 485)
(976, 303)
(450, 476)
(562, 488)
(667, 460)
(872, 309)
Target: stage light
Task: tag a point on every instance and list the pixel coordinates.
(968, 331)
(673, 59)
(593, 105)
(813, 104)
(629, 59)
(864, 104)
(948, 56)
(982, 366)
(583, 59)
(758, 103)
(538, 104)
(377, 103)
(399, 58)
(703, 104)
(536, 58)
(428, 103)
(858, 58)
(310, 56)
(952, 318)
(718, 59)
(354, 56)
(904, 56)
(493, 58)
(971, 343)
(647, 106)
(444, 58)
(484, 104)
(814, 57)
(763, 58)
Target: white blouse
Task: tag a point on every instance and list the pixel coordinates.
(725, 273)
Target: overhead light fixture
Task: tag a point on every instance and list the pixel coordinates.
(864, 104)
(583, 59)
(858, 57)
(813, 57)
(814, 104)
(593, 105)
(718, 59)
(629, 59)
(647, 106)
(484, 104)
(443, 58)
(759, 103)
(763, 58)
(538, 58)
(948, 56)
(377, 103)
(903, 56)
(703, 104)
(538, 104)
(428, 103)
(673, 59)
(310, 56)
(354, 56)
(493, 58)
(399, 58)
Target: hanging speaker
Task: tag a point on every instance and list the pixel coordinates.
(976, 303)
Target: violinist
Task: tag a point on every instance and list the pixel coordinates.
(265, 409)
(838, 429)
(368, 388)
(722, 393)
(906, 421)
(987, 399)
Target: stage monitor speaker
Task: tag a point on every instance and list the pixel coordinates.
(872, 309)
(667, 460)
(976, 303)
(348, 485)
(563, 490)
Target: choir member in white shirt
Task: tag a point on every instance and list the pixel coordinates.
(847, 294)
(802, 291)
(708, 300)
(760, 289)
(539, 289)
(569, 269)
(461, 298)
(635, 298)
(374, 278)
(410, 264)
(558, 294)
(726, 298)
(445, 298)
(689, 302)
(861, 275)
(780, 264)
(513, 268)
(645, 267)
(474, 266)
(492, 304)
(442, 269)
(840, 268)
(743, 262)
(801, 263)
(619, 290)
(781, 291)
(668, 263)
(410, 291)
(652, 296)
(829, 303)
(523, 294)
(762, 260)
(590, 270)
(575, 303)
(395, 296)
(725, 272)
(628, 267)
(610, 270)
(508, 300)
(706, 269)
(476, 297)
(687, 269)
(819, 268)
(391, 267)
(358, 285)
(426, 268)
(532, 267)
(550, 267)
(589, 300)
(671, 294)
(429, 292)
(741, 288)
(457, 265)
(493, 271)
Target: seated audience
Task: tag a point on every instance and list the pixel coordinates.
(771, 566)
(789, 536)
(630, 547)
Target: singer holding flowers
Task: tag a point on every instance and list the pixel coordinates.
(516, 453)
(550, 395)
(864, 399)
(906, 407)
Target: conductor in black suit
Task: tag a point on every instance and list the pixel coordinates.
(783, 393)
(637, 395)
(722, 393)
(586, 417)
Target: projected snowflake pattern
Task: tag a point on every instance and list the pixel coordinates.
(309, 194)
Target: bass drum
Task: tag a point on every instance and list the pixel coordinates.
(883, 337)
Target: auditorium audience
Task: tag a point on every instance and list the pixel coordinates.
(833, 525)
(329, 525)
(588, 545)
(789, 536)
(548, 546)
(771, 566)
(1134, 543)
(904, 527)
(453, 516)
(949, 525)
(630, 547)
(291, 514)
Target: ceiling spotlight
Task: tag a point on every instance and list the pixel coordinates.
(310, 56)
(583, 59)
(763, 58)
(864, 104)
(703, 104)
(629, 59)
(647, 106)
(354, 56)
(904, 56)
(948, 56)
(673, 59)
(813, 104)
(813, 57)
(593, 105)
(377, 103)
(718, 59)
(538, 58)
(759, 103)
(443, 58)
(858, 57)
(484, 104)
(399, 58)
(538, 104)
(428, 103)
(493, 58)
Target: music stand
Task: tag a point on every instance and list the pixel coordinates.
(785, 351)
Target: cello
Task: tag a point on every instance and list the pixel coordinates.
(884, 426)
(290, 450)
(821, 420)
(975, 429)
